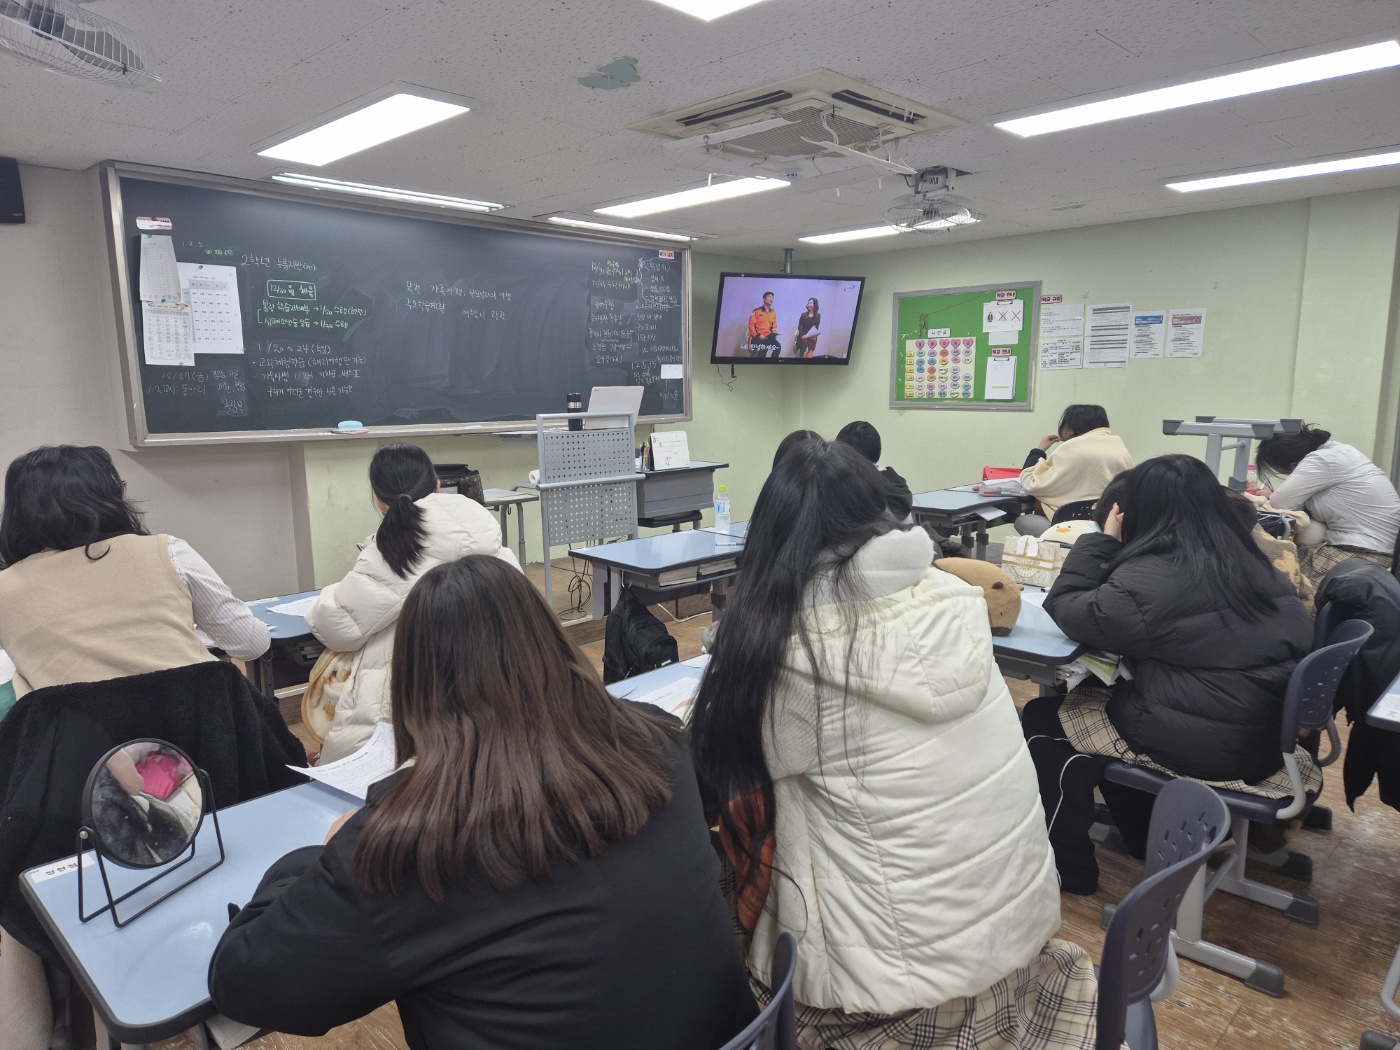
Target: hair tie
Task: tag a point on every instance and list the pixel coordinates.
(404, 495)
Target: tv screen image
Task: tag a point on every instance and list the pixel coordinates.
(785, 319)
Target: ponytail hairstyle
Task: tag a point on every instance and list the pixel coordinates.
(400, 475)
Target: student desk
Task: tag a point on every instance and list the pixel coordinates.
(676, 491)
(1385, 714)
(501, 500)
(643, 561)
(149, 980)
(286, 631)
(638, 687)
(1034, 648)
(960, 509)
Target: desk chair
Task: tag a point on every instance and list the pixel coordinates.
(1080, 510)
(1139, 968)
(1306, 705)
(675, 521)
(1375, 1040)
(776, 1027)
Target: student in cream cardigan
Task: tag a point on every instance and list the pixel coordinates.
(1074, 464)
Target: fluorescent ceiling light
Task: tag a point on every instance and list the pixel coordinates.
(851, 235)
(388, 193)
(378, 122)
(631, 231)
(715, 191)
(1213, 89)
(709, 10)
(1292, 171)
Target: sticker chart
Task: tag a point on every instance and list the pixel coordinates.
(965, 347)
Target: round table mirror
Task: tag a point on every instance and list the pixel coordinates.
(143, 803)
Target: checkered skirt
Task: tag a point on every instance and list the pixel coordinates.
(1316, 562)
(1084, 718)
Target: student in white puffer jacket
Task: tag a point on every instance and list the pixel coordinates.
(421, 528)
(858, 744)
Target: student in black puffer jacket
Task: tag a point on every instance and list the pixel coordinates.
(1209, 631)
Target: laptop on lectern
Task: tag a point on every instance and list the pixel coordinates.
(625, 400)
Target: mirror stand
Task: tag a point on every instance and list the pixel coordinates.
(86, 840)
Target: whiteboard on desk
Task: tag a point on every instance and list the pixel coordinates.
(410, 320)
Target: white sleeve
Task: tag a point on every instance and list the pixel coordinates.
(1312, 474)
(223, 617)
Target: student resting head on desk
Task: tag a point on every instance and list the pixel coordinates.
(857, 743)
(421, 528)
(1177, 588)
(536, 874)
(1072, 465)
(865, 439)
(1340, 489)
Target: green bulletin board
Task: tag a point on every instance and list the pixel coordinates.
(945, 340)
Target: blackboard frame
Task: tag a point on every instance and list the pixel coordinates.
(111, 172)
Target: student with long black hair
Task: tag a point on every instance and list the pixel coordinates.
(1340, 489)
(537, 872)
(421, 528)
(1209, 631)
(857, 743)
(87, 594)
(1072, 465)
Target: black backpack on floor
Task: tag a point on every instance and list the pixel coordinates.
(636, 641)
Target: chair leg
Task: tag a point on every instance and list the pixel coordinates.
(1376, 1041)
(1296, 906)
(1287, 863)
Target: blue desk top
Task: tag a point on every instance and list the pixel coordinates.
(672, 550)
(282, 627)
(956, 502)
(1036, 639)
(1385, 712)
(153, 974)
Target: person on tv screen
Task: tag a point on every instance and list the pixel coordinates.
(808, 328)
(763, 330)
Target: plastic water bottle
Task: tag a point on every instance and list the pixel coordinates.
(722, 510)
(1251, 484)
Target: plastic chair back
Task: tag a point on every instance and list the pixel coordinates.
(1189, 821)
(1080, 510)
(776, 1027)
(1313, 685)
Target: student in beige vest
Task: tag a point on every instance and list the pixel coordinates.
(86, 594)
(1072, 465)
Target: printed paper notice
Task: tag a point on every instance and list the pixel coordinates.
(1188, 333)
(300, 607)
(1001, 379)
(1005, 316)
(672, 371)
(212, 295)
(1149, 332)
(1062, 335)
(166, 335)
(160, 279)
(1110, 331)
(355, 773)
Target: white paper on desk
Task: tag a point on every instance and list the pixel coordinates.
(1149, 334)
(217, 316)
(159, 277)
(355, 773)
(697, 661)
(1188, 332)
(1006, 316)
(670, 449)
(676, 698)
(166, 335)
(990, 514)
(1109, 335)
(300, 607)
(7, 668)
(1001, 379)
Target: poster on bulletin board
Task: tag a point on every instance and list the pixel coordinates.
(966, 347)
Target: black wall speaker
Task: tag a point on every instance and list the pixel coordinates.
(11, 196)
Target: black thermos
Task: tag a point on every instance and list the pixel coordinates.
(575, 405)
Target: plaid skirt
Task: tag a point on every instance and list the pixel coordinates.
(1084, 718)
(1316, 562)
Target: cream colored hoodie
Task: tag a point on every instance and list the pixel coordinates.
(359, 613)
(912, 862)
(1077, 469)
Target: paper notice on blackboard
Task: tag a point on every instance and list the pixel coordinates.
(1188, 333)
(1061, 335)
(166, 335)
(159, 278)
(672, 371)
(1001, 379)
(215, 312)
(1149, 331)
(1110, 332)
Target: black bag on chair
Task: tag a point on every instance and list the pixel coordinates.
(636, 641)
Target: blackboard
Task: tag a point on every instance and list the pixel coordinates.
(406, 323)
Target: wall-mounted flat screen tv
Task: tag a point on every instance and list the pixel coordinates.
(785, 319)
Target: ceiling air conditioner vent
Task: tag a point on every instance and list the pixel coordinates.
(819, 104)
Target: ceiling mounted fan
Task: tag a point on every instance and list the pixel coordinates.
(933, 206)
(64, 37)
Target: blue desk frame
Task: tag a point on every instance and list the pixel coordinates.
(958, 509)
(644, 560)
(285, 630)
